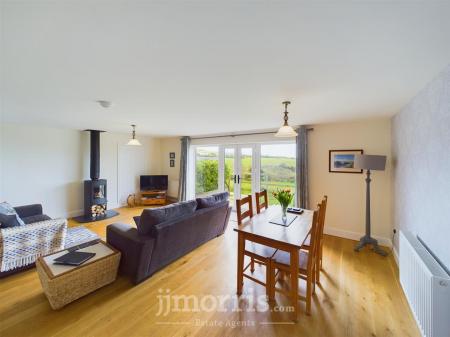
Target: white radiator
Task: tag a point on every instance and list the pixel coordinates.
(426, 285)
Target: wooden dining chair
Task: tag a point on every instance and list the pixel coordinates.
(320, 238)
(260, 205)
(241, 214)
(280, 262)
(256, 252)
(321, 226)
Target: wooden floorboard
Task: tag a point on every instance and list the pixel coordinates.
(359, 295)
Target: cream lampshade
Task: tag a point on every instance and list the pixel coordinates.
(134, 141)
(286, 130)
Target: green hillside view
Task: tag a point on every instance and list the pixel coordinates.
(276, 172)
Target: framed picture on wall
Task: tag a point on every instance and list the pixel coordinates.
(172, 155)
(342, 161)
(172, 163)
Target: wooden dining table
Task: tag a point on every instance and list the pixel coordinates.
(260, 230)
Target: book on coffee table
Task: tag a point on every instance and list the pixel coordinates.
(74, 258)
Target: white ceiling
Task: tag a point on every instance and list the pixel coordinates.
(203, 67)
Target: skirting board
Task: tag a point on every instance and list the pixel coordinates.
(73, 214)
(394, 250)
(355, 236)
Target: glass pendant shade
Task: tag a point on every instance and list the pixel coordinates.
(133, 141)
(286, 131)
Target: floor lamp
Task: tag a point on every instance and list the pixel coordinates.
(369, 162)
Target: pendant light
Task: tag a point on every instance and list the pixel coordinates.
(286, 130)
(133, 141)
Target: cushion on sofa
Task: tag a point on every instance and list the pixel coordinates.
(9, 216)
(212, 200)
(28, 210)
(153, 216)
(36, 218)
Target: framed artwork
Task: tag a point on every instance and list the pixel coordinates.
(172, 163)
(342, 161)
(172, 155)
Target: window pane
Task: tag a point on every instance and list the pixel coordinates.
(277, 168)
(246, 171)
(206, 170)
(229, 173)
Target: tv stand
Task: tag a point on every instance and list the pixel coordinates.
(153, 197)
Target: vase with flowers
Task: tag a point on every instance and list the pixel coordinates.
(284, 197)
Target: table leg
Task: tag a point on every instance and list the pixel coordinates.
(294, 281)
(240, 263)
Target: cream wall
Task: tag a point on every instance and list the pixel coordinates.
(42, 165)
(48, 166)
(122, 165)
(346, 192)
(168, 145)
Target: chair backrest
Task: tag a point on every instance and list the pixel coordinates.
(248, 213)
(260, 205)
(322, 220)
(314, 237)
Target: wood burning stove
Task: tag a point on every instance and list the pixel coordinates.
(95, 189)
(95, 195)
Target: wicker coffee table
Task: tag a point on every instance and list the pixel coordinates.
(64, 284)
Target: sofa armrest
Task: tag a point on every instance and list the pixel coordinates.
(227, 220)
(29, 210)
(136, 250)
(137, 219)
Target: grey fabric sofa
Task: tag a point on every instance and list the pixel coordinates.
(31, 213)
(167, 233)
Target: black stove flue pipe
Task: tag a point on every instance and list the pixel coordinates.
(95, 154)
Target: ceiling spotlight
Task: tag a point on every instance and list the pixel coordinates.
(104, 104)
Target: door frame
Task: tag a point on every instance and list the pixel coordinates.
(256, 162)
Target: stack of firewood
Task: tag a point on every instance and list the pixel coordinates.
(98, 210)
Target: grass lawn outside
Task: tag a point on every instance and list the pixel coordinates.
(276, 173)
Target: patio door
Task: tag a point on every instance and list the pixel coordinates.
(243, 169)
(239, 171)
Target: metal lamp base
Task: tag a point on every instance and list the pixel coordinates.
(367, 240)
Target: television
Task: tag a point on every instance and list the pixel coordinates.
(149, 183)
